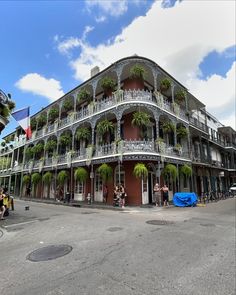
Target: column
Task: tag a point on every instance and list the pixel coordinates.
(172, 92)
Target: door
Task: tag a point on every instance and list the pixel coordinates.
(145, 191)
(151, 180)
(98, 188)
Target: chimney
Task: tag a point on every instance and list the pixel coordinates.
(94, 71)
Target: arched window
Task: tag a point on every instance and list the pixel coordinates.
(119, 175)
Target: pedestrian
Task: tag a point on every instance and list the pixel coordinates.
(2, 207)
(105, 193)
(157, 194)
(165, 190)
(122, 195)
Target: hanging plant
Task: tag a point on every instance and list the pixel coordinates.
(62, 177)
(68, 105)
(165, 84)
(105, 126)
(66, 139)
(47, 177)
(33, 123)
(182, 132)
(108, 83)
(186, 170)
(137, 72)
(140, 170)
(42, 120)
(51, 145)
(4, 111)
(38, 148)
(26, 179)
(11, 104)
(170, 172)
(83, 95)
(180, 96)
(53, 114)
(178, 147)
(81, 174)
(105, 171)
(35, 179)
(29, 152)
(83, 133)
(168, 127)
(141, 119)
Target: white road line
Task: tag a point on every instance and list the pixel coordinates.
(21, 223)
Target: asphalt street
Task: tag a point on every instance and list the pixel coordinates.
(135, 251)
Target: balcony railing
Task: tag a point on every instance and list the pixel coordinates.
(193, 121)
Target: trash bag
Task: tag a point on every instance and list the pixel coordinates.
(185, 199)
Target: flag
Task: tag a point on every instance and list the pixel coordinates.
(23, 119)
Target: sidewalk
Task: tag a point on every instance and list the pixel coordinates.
(94, 205)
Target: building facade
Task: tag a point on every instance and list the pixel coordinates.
(131, 123)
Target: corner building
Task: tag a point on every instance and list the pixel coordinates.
(133, 112)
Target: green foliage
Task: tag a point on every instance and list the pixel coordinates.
(105, 126)
(108, 83)
(182, 132)
(83, 95)
(186, 170)
(165, 84)
(81, 174)
(53, 114)
(66, 139)
(83, 133)
(47, 177)
(38, 148)
(3, 143)
(26, 179)
(68, 105)
(140, 170)
(29, 152)
(51, 145)
(137, 71)
(170, 172)
(180, 95)
(5, 162)
(168, 127)
(42, 120)
(36, 178)
(141, 119)
(11, 104)
(62, 177)
(33, 123)
(4, 111)
(105, 171)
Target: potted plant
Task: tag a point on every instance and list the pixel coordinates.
(180, 96)
(62, 178)
(182, 132)
(141, 120)
(47, 179)
(33, 124)
(105, 127)
(4, 111)
(108, 85)
(37, 149)
(51, 145)
(168, 127)
(140, 171)
(68, 105)
(35, 179)
(83, 95)
(11, 104)
(83, 134)
(170, 172)
(29, 152)
(26, 179)
(178, 148)
(42, 120)
(81, 174)
(53, 114)
(186, 170)
(136, 78)
(105, 172)
(165, 85)
(66, 139)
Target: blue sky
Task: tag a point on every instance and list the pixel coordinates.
(48, 47)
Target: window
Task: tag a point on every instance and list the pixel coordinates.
(119, 175)
(79, 187)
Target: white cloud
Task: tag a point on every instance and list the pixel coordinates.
(100, 19)
(111, 7)
(39, 85)
(177, 38)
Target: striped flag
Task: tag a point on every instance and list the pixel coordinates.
(23, 119)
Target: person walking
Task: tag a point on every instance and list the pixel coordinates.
(165, 190)
(157, 194)
(105, 194)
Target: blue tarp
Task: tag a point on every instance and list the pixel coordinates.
(185, 199)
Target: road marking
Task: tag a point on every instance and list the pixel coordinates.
(21, 223)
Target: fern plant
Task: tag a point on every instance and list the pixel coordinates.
(108, 83)
(137, 72)
(83, 95)
(140, 170)
(168, 127)
(165, 84)
(68, 105)
(105, 126)
(42, 120)
(81, 174)
(66, 139)
(33, 123)
(83, 133)
(170, 172)
(51, 145)
(47, 179)
(26, 179)
(186, 170)
(62, 177)
(35, 179)
(105, 171)
(182, 132)
(53, 114)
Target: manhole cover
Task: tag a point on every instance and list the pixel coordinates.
(207, 224)
(159, 222)
(49, 253)
(112, 229)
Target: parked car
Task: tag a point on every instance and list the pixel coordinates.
(232, 189)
